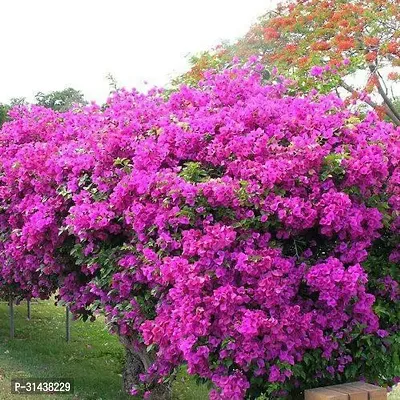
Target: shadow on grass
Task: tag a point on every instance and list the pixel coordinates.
(93, 358)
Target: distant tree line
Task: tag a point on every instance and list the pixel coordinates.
(59, 100)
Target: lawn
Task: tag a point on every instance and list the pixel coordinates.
(93, 358)
(395, 395)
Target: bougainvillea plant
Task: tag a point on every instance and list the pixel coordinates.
(326, 44)
(249, 235)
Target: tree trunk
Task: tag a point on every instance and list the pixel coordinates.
(137, 361)
(133, 367)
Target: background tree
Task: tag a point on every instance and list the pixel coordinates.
(325, 45)
(112, 82)
(218, 58)
(3, 113)
(5, 108)
(18, 101)
(60, 100)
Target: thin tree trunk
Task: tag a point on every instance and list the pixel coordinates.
(383, 94)
(137, 361)
(371, 103)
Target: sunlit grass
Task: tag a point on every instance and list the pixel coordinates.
(93, 358)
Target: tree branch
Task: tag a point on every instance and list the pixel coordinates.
(383, 81)
(371, 103)
(384, 96)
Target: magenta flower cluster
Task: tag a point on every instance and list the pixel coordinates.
(223, 227)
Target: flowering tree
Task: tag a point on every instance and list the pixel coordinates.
(247, 234)
(27, 237)
(321, 43)
(217, 59)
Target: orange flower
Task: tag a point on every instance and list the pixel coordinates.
(371, 56)
(303, 61)
(271, 33)
(334, 62)
(381, 111)
(291, 47)
(278, 22)
(289, 21)
(393, 76)
(345, 44)
(354, 95)
(392, 47)
(321, 46)
(371, 41)
(371, 83)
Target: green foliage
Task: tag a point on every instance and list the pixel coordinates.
(18, 101)
(112, 83)
(93, 358)
(196, 172)
(192, 172)
(332, 167)
(3, 113)
(61, 100)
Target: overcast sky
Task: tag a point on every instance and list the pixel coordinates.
(52, 44)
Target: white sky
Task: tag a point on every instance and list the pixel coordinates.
(53, 44)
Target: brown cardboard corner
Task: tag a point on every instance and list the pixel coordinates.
(354, 393)
(324, 394)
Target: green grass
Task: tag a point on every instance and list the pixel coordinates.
(93, 358)
(395, 395)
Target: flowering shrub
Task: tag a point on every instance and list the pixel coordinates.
(250, 235)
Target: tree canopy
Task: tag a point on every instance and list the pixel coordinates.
(60, 100)
(325, 45)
